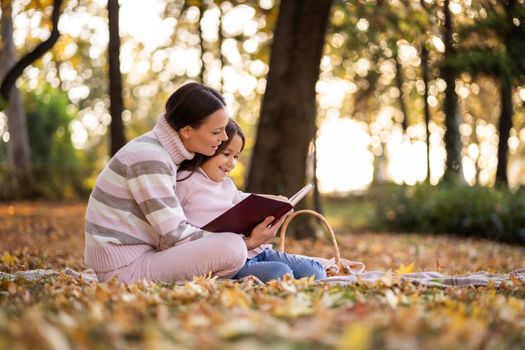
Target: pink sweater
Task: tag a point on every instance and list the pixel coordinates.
(133, 207)
(203, 199)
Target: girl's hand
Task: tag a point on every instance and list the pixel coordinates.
(262, 233)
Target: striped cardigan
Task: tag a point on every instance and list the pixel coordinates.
(133, 207)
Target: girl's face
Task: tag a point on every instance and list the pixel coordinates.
(220, 165)
(207, 137)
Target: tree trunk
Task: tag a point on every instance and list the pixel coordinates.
(425, 68)
(399, 85)
(288, 111)
(505, 120)
(221, 56)
(505, 124)
(202, 8)
(18, 150)
(318, 206)
(115, 80)
(287, 122)
(453, 145)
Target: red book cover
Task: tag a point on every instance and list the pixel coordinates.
(252, 210)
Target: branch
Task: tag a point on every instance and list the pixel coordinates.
(16, 71)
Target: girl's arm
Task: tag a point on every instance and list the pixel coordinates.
(262, 233)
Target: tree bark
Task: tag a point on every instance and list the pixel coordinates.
(425, 68)
(16, 71)
(18, 149)
(505, 119)
(453, 145)
(202, 8)
(318, 205)
(399, 85)
(115, 80)
(288, 111)
(505, 124)
(221, 56)
(287, 122)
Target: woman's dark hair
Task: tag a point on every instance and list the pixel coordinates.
(232, 129)
(191, 104)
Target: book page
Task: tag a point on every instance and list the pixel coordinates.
(273, 196)
(300, 194)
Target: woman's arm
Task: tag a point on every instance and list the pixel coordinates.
(152, 186)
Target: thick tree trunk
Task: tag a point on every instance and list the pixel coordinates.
(18, 150)
(505, 124)
(287, 122)
(425, 69)
(115, 80)
(288, 111)
(453, 145)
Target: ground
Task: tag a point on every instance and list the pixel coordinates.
(62, 313)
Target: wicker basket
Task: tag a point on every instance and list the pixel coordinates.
(342, 268)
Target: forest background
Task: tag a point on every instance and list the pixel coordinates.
(407, 115)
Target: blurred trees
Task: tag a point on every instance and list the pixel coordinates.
(386, 64)
(493, 46)
(57, 166)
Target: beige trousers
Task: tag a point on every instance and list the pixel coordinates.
(221, 254)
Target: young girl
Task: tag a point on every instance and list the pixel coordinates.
(205, 191)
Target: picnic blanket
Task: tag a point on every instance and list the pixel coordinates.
(426, 278)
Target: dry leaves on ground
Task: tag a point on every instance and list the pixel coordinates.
(63, 313)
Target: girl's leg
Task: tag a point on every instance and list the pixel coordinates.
(222, 254)
(265, 271)
(300, 265)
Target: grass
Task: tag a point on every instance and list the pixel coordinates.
(349, 214)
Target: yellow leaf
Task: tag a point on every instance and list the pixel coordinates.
(516, 281)
(403, 270)
(516, 304)
(8, 259)
(235, 297)
(357, 336)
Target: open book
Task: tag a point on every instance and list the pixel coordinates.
(252, 210)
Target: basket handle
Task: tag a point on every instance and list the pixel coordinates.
(322, 218)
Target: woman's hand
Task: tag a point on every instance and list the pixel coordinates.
(262, 233)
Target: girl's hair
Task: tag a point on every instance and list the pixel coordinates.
(232, 129)
(191, 104)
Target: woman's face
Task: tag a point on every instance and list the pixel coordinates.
(220, 165)
(208, 136)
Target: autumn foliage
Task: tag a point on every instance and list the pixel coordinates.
(61, 312)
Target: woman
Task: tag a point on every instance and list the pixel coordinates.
(135, 227)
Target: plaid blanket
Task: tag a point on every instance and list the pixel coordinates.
(427, 278)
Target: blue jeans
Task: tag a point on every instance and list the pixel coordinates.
(272, 264)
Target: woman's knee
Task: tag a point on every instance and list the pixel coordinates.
(232, 246)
